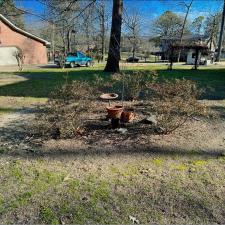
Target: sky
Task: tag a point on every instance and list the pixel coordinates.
(149, 9)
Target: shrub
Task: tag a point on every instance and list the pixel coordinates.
(62, 115)
(174, 102)
(132, 84)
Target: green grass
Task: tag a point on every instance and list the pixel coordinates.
(39, 83)
(54, 191)
(6, 110)
(102, 188)
(14, 104)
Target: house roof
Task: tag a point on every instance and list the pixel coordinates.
(17, 29)
(189, 37)
(190, 46)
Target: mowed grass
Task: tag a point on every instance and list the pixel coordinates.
(107, 190)
(9, 104)
(63, 188)
(39, 83)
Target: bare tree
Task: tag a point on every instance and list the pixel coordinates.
(112, 64)
(19, 55)
(102, 18)
(197, 24)
(66, 15)
(212, 28)
(221, 34)
(88, 19)
(188, 7)
(133, 24)
(14, 14)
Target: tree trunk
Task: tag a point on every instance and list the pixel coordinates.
(53, 41)
(103, 44)
(102, 25)
(196, 58)
(212, 33)
(133, 52)
(171, 58)
(68, 41)
(182, 31)
(221, 34)
(115, 37)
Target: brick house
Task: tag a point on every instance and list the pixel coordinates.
(13, 39)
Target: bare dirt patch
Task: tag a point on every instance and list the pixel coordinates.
(14, 122)
(200, 134)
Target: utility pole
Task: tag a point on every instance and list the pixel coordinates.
(221, 34)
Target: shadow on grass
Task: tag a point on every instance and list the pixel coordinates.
(115, 151)
(151, 150)
(220, 111)
(7, 110)
(41, 82)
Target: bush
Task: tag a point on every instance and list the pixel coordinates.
(174, 102)
(133, 84)
(62, 115)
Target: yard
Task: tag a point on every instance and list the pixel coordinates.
(106, 177)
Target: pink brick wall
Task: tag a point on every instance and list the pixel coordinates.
(35, 52)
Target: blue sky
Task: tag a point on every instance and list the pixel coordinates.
(149, 9)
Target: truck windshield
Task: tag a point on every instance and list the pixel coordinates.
(72, 54)
(82, 55)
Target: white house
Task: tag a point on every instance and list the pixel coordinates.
(188, 54)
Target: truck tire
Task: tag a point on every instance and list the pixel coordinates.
(72, 64)
(88, 64)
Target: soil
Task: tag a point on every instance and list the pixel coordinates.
(198, 136)
(13, 133)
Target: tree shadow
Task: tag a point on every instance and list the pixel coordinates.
(118, 151)
(39, 83)
(220, 111)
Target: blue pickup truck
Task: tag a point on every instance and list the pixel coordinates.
(76, 59)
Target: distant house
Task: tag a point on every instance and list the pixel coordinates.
(189, 40)
(13, 39)
(223, 54)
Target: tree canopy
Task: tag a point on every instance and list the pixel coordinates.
(9, 10)
(168, 24)
(197, 24)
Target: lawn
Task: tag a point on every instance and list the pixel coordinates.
(39, 83)
(106, 177)
(105, 189)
